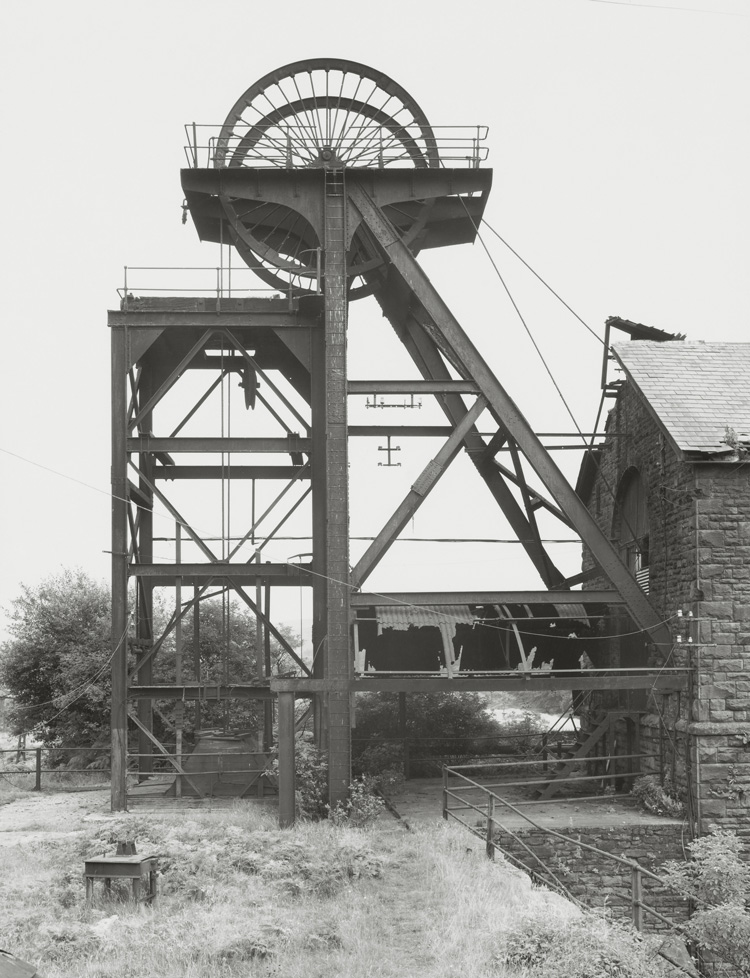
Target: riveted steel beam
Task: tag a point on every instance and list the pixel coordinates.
(416, 495)
(449, 335)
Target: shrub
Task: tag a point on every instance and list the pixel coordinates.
(718, 880)
(311, 777)
(587, 946)
(361, 808)
(657, 798)
(446, 725)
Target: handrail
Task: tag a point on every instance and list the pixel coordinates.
(222, 286)
(638, 907)
(38, 770)
(208, 147)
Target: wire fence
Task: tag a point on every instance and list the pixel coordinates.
(27, 768)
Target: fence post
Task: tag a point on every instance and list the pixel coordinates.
(488, 846)
(545, 751)
(637, 898)
(38, 771)
(407, 760)
(445, 792)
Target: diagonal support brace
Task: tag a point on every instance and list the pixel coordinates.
(416, 495)
(449, 334)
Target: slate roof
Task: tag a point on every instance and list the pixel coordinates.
(695, 391)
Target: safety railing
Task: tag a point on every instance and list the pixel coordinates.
(288, 146)
(210, 769)
(422, 756)
(31, 768)
(487, 807)
(142, 283)
(30, 763)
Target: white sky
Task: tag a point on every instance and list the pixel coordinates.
(618, 138)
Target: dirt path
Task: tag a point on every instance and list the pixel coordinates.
(36, 816)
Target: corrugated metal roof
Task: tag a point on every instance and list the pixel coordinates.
(401, 617)
(696, 390)
(576, 611)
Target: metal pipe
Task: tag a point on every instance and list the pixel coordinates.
(637, 898)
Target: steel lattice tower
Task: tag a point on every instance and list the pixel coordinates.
(327, 180)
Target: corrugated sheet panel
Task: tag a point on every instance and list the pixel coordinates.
(401, 617)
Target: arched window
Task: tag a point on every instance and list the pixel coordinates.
(630, 530)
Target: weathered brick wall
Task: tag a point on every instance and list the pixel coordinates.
(699, 528)
(600, 882)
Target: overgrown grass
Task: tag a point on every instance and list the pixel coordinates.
(240, 897)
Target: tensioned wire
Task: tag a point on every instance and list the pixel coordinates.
(587, 446)
(534, 343)
(304, 569)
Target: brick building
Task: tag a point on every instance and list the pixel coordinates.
(671, 485)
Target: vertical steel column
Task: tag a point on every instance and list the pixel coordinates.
(179, 707)
(197, 653)
(319, 510)
(338, 655)
(268, 704)
(119, 713)
(144, 626)
(286, 760)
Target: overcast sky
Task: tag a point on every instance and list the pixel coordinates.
(618, 138)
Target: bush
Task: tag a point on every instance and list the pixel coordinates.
(718, 881)
(311, 772)
(361, 808)
(657, 798)
(447, 725)
(587, 947)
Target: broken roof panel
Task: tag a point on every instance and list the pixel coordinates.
(403, 617)
(698, 392)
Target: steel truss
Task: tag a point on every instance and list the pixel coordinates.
(325, 232)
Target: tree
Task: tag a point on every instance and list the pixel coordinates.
(446, 724)
(227, 653)
(56, 665)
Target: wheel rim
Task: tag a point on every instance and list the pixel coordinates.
(319, 113)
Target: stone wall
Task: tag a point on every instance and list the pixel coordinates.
(720, 721)
(601, 882)
(699, 536)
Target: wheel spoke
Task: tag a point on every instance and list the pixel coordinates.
(286, 119)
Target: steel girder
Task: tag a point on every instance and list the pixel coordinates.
(456, 346)
(151, 351)
(394, 298)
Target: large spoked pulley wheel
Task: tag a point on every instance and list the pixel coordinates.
(322, 113)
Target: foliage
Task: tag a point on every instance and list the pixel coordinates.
(588, 947)
(56, 663)
(311, 776)
(58, 656)
(384, 765)
(240, 897)
(226, 653)
(715, 873)
(660, 799)
(540, 701)
(445, 724)
(718, 880)
(361, 808)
